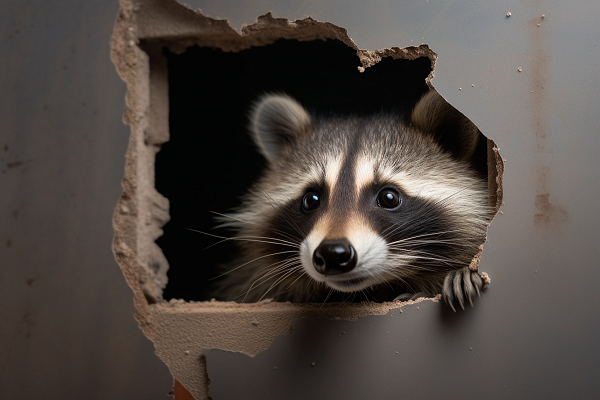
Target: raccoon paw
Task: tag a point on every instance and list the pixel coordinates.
(462, 284)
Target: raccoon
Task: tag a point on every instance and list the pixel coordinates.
(374, 206)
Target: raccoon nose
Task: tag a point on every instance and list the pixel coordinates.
(334, 257)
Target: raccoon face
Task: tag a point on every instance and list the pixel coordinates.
(349, 204)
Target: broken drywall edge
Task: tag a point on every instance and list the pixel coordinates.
(180, 27)
(180, 331)
(495, 174)
(257, 324)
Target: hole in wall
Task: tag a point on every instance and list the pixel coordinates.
(144, 52)
(210, 160)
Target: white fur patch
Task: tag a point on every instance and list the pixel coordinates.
(371, 252)
(332, 171)
(464, 194)
(364, 173)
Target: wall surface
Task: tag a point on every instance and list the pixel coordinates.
(66, 326)
(66, 314)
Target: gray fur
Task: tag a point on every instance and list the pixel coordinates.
(436, 117)
(278, 121)
(426, 246)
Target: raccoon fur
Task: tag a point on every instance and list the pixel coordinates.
(374, 206)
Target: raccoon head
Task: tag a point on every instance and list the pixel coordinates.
(353, 203)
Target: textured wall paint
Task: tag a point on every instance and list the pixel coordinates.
(66, 325)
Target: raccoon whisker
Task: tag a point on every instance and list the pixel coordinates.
(397, 226)
(251, 261)
(318, 287)
(405, 225)
(295, 280)
(393, 228)
(409, 251)
(378, 280)
(278, 266)
(287, 219)
(327, 297)
(415, 254)
(423, 268)
(408, 274)
(392, 276)
(366, 297)
(293, 225)
(279, 270)
(247, 238)
(424, 235)
(365, 292)
(457, 192)
(231, 217)
(257, 283)
(434, 238)
(454, 242)
(313, 286)
(274, 269)
(290, 237)
(385, 282)
(267, 238)
(435, 264)
(353, 296)
(282, 273)
(419, 252)
(268, 269)
(279, 280)
(446, 261)
(429, 211)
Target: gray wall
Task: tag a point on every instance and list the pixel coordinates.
(534, 332)
(66, 315)
(66, 326)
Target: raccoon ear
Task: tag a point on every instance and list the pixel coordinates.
(434, 116)
(277, 123)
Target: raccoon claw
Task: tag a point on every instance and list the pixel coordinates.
(411, 296)
(462, 285)
(403, 297)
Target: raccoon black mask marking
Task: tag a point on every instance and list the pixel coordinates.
(351, 205)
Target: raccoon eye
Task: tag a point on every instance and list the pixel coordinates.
(388, 198)
(311, 200)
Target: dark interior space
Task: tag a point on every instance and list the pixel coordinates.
(210, 159)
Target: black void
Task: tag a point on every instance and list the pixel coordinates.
(210, 161)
